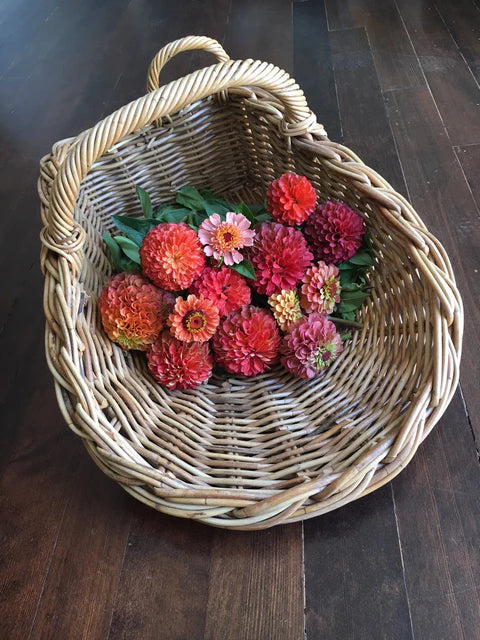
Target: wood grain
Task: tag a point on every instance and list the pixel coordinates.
(469, 158)
(454, 88)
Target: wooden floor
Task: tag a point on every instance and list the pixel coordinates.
(396, 80)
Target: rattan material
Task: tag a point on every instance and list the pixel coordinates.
(242, 453)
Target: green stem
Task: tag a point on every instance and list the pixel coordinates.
(346, 323)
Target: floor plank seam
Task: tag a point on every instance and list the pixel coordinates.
(402, 560)
(467, 413)
(122, 563)
(456, 44)
(455, 151)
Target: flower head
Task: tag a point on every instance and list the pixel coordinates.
(285, 307)
(310, 345)
(172, 256)
(179, 365)
(224, 239)
(280, 257)
(224, 287)
(247, 341)
(194, 319)
(334, 232)
(291, 199)
(320, 291)
(132, 311)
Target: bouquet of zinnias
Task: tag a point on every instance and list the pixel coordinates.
(206, 284)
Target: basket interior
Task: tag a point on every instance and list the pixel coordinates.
(273, 431)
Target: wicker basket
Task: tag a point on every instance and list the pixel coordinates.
(241, 453)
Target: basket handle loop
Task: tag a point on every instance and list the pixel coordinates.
(63, 231)
(188, 43)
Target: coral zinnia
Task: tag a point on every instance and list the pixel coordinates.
(194, 319)
(179, 365)
(321, 288)
(225, 288)
(172, 256)
(291, 199)
(280, 257)
(334, 232)
(285, 307)
(132, 311)
(310, 345)
(223, 239)
(247, 341)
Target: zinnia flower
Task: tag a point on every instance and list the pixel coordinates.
(179, 365)
(280, 257)
(172, 256)
(223, 239)
(310, 345)
(247, 341)
(321, 288)
(291, 199)
(194, 319)
(224, 287)
(131, 309)
(334, 232)
(285, 307)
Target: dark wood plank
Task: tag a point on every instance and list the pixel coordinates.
(164, 584)
(395, 59)
(261, 30)
(442, 197)
(97, 519)
(438, 515)
(313, 65)
(256, 588)
(453, 86)
(469, 158)
(462, 19)
(353, 573)
(362, 112)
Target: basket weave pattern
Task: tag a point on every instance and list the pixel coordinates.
(242, 453)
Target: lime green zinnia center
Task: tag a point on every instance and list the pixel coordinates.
(325, 356)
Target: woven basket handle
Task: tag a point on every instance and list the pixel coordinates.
(62, 233)
(189, 43)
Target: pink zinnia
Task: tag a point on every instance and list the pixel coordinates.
(247, 341)
(179, 365)
(224, 239)
(320, 291)
(280, 257)
(310, 345)
(224, 287)
(194, 319)
(291, 199)
(334, 232)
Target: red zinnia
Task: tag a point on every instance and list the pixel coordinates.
(291, 199)
(247, 341)
(179, 365)
(194, 319)
(334, 232)
(172, 256)
(224, 287)
(280, 257)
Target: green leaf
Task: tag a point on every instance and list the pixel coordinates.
(134, 228)
(256, 208)
(214, 204)
(245, 268)
(346, 336)
(191, 198)
(114, 250)
(352, 296)
(263, 217)
(129, 248)
(362, 258)
(145, 202)
(172, 213)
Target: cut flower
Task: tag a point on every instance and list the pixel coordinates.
(291, 199)
(194, 319)
(320, 291)
(224, 239)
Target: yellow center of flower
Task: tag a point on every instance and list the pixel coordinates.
(227, 237)
(329, 289)
(194, 321)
